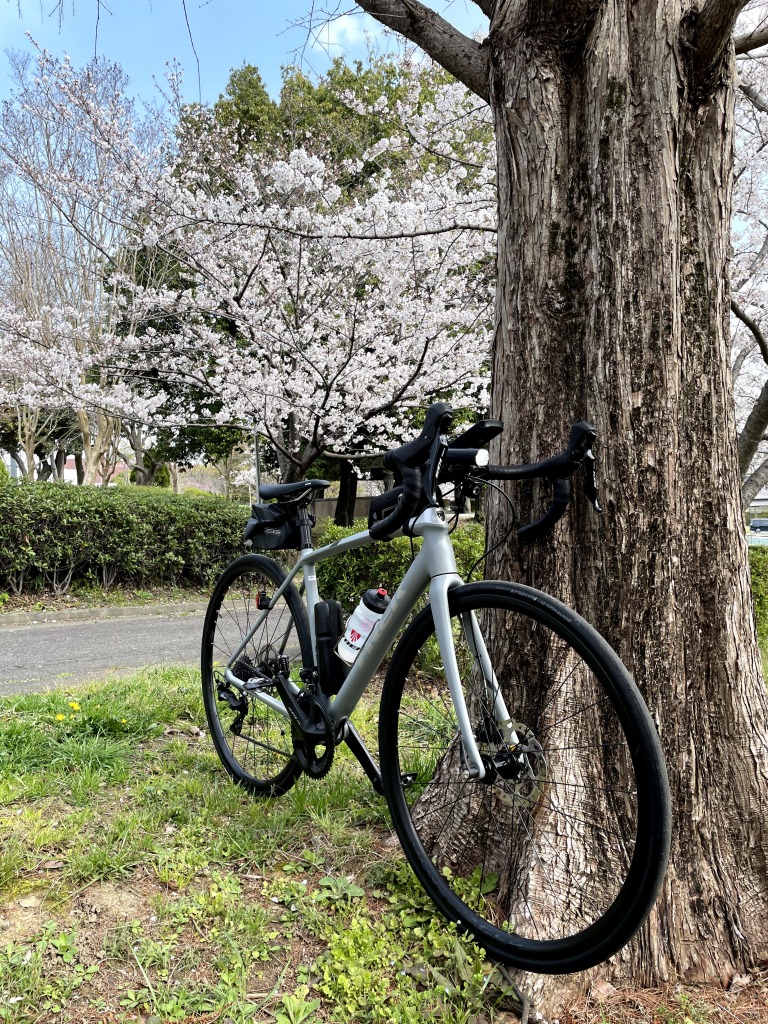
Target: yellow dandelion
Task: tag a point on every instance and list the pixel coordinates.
(124, 721)
(60, 718)
(74, 705)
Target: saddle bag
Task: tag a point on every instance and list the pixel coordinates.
(272, 527)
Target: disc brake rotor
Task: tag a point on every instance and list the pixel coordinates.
(516, 758)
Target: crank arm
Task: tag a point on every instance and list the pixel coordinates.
(295, 713)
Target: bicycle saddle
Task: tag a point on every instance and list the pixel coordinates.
(269, 491)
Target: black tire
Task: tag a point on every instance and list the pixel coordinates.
(553, 861)
(252, 740)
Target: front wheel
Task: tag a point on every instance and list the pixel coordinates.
(554, 859)
(252, 739)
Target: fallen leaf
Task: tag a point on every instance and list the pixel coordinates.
(739, 981)
(602, 990)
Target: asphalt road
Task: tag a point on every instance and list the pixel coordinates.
(40, 655)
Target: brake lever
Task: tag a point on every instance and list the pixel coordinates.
(590, 480)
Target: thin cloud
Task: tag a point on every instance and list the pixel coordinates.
(347, 32)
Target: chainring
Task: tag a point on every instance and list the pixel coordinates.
(305, 748)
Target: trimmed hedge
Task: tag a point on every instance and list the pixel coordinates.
(758, 569)
(346, 577)
(53, 534)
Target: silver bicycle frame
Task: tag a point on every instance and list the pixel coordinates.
(433, 569)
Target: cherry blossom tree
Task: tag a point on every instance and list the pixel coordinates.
(58, 237)
(316, 312)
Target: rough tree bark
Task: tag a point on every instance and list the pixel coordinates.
(614, 126)
(100, 433)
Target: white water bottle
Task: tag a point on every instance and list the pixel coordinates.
(361, 624)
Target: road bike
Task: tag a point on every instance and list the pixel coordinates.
(522, 770)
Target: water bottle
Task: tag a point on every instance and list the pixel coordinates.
(361, 623)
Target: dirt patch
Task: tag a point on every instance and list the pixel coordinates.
(19, 920)
(745, 1003)
(114, 902)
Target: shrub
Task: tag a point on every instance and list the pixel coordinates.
(56, 533)
(346, 577)
(758, 567)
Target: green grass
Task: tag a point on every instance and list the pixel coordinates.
(138, 883)
(294, 910)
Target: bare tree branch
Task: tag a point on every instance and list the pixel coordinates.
(753, 432)
(758, 99)
(748, 322)
(752, 40)
(461, 56)
(746, 350)
(754, 484)
(756, 425)
(709, 32)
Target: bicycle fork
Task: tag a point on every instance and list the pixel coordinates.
(473, 766)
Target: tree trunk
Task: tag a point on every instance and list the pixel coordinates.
(99, 433)
(18, 458)
(614, 210)
(345, 504)
(60, 461)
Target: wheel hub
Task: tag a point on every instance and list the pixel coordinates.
(511, 753)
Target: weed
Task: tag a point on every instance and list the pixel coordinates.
(281, 910)
(14, 859)
(297, 1009)
(28, 986)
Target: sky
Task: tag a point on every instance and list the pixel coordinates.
(143, 35)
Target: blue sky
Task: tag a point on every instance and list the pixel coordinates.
(142, 35)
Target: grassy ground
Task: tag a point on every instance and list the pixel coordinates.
(137, 883)
(97, 597)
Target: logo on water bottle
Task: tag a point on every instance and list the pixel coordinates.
(354, 635)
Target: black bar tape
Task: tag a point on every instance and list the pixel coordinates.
(405, 507)
(560, 499)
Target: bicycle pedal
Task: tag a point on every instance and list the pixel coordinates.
(407, 779)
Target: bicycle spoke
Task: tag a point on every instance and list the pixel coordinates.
(558, 792)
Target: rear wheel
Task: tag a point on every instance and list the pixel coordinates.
(252, 739)
(554, 859)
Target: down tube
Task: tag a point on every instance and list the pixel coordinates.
(413, 585)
